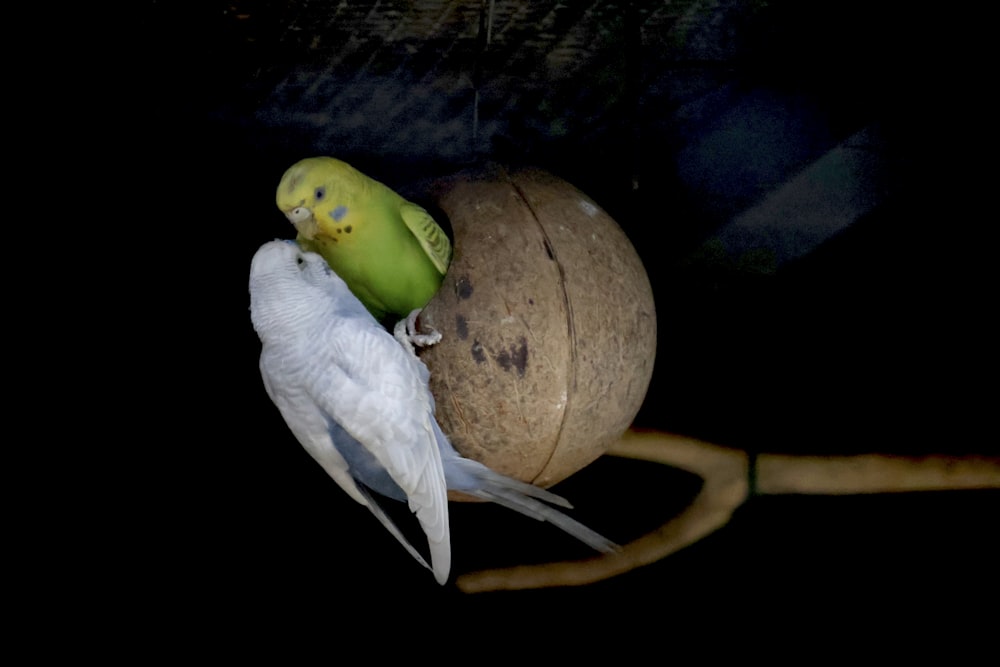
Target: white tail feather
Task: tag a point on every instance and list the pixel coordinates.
(521, 497)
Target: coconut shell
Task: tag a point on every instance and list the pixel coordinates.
(548, 324)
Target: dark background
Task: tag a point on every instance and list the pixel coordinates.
(680, 119)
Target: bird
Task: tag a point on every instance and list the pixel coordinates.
(359, 402)
(391, 252)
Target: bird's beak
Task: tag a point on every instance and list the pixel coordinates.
(303, 219)
(298, 214)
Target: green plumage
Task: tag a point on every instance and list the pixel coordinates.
(389, 251)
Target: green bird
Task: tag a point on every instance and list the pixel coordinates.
(389, 251)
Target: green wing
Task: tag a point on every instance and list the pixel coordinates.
(430, 235)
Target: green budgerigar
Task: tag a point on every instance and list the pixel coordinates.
(389, 251)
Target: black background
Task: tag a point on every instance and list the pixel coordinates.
(879, 340)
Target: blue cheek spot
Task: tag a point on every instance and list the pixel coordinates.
(338, 213)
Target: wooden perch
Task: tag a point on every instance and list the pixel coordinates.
(726, 486)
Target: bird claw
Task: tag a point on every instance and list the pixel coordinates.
(408, 336)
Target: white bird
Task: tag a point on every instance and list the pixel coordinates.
(359, 402)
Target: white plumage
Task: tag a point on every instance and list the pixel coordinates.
(359, 403)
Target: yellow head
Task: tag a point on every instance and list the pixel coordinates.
(316, 189)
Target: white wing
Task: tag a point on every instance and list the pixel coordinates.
(350, 394)
(374, 391)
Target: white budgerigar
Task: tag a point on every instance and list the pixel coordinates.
(359, 402)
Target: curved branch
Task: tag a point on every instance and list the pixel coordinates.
(726, 487)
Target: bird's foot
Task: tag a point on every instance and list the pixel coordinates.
(407, 334)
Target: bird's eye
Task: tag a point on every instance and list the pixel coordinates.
(320, 193)
(299, 260)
